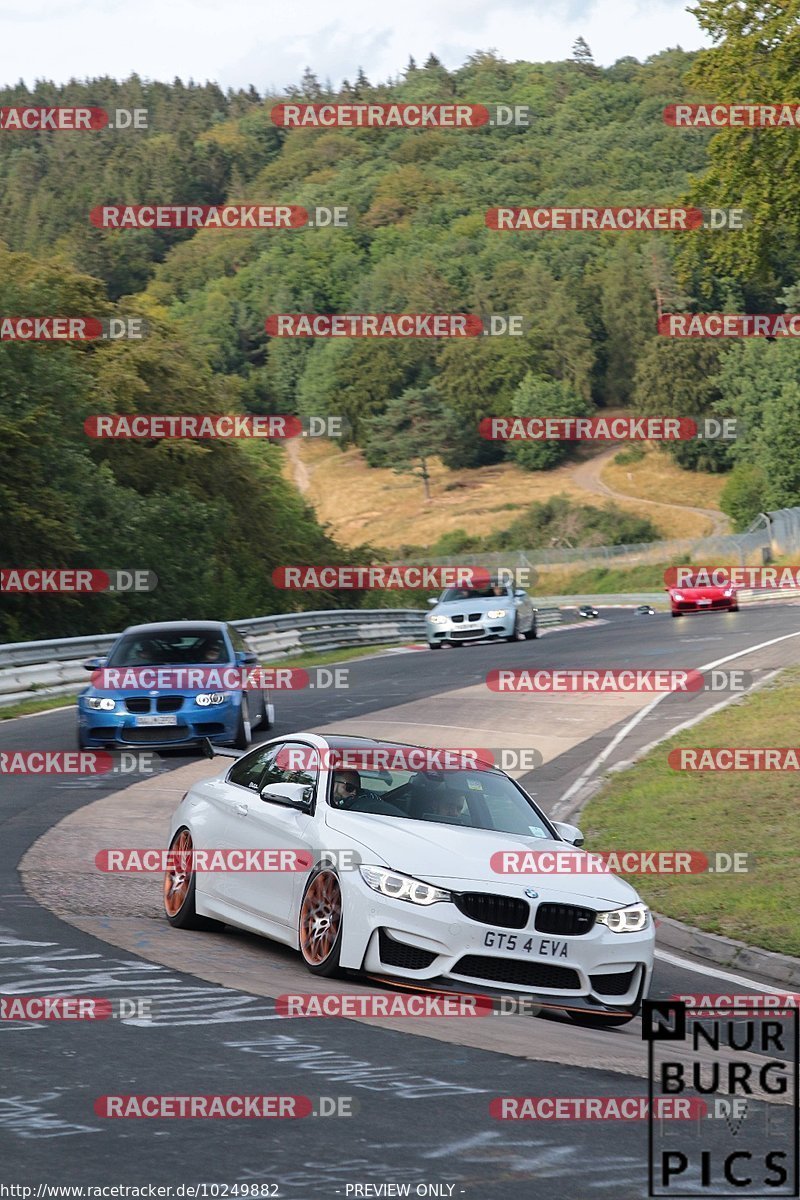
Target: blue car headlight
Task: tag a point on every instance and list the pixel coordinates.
(437, 620)
(207, 698)
(101, 703)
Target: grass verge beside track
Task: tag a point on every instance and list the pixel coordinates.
(651, 806)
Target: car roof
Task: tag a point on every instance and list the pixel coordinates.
(352, 741)
(156, 627)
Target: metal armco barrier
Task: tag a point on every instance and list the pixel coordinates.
(54, 668)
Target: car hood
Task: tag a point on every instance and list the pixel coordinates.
(699, 593)
(464, 606)
(450, 856)
(171, 689)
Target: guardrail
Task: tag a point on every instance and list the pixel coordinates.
(55, 667)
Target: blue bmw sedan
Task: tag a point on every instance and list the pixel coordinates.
(182, 652)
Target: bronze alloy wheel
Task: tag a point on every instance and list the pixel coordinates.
(178, 877)
(321, 920)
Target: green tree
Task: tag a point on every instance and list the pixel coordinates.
(537, 397)
(408, 434)
(743, 496)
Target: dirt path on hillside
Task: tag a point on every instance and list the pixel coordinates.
(587, 476)
(301, 476)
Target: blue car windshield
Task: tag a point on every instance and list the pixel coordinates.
(181, 647)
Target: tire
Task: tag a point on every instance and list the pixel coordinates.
(677, 614)
(179, 906)
(80, 739)
(434, 645)
(602, 1020)
(532, 633)
(244, 731)
(734, 608)
(513, 637)
(321, 948)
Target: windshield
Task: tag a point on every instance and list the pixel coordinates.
(467, 593)
(474, 799)
(170, 648)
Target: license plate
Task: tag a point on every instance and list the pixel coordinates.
(522, 943)
(161, 719)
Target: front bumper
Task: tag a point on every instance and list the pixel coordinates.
(192, 723)
(472, 628)
(402, 941)
(723, 604)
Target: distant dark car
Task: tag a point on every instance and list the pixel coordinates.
(645, 610)
(586, 610)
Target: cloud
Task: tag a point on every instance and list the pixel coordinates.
(202, 40)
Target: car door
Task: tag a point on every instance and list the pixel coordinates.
(524, 607)
(262, 823)
(217, 821)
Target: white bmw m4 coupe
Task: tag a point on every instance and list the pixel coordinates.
(388, 865)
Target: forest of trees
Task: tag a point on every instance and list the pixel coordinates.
(217, 517)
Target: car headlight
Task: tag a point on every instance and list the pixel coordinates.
(402, 887)
(631, 919)
(728, 592)
(434, 620)
(206, 698)
(495, 614)
(101, 703)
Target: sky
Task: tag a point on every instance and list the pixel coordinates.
(237, 43)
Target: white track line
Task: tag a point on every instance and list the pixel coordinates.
(686, 965)
(635, 720)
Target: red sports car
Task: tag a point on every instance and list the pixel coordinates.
(705, 597)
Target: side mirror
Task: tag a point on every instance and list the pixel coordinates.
(570, 833)
(247, 658)
(94, 664)
(294, 795)
(520, 593)
(433, 602)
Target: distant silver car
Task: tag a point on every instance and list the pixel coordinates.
(588, 611)
(472, 614)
